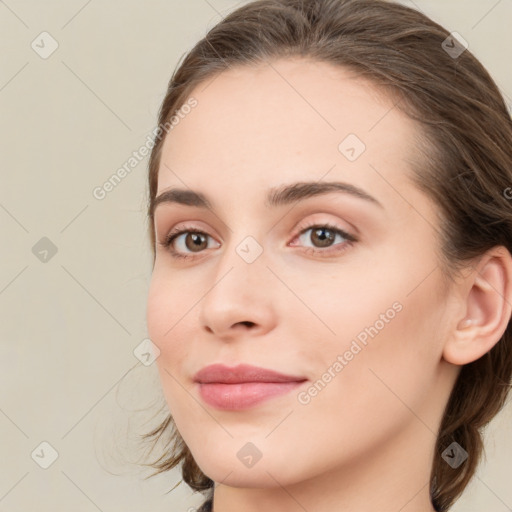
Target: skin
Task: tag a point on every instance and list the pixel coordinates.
(366, 441)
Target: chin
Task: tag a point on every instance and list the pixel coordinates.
(224, 466)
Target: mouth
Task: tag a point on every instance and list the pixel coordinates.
(243, 386)
(243, 395)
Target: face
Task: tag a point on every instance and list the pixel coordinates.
(336, 288)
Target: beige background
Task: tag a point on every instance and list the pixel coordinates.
(69, 325)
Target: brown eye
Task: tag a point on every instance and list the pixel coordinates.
(186, 242)
(322, 237)
(325, 240)
(195, 241)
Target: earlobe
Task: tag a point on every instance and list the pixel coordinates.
(488, 307)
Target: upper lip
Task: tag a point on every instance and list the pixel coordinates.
(241, 373)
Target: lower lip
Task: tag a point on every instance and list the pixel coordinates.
(234, 397)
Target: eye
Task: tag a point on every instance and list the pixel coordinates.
(323, 236)
(183, 242)
(193, 240)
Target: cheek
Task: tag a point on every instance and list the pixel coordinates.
(157, 311)
(167, 302)
(165, 308)
(368, 391)
(166, 317)
(397, 353)
(387, 323)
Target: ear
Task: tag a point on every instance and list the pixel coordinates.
(487, 307)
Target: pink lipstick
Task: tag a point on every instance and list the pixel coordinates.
(242, 386)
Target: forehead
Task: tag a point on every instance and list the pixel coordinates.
(287, 120)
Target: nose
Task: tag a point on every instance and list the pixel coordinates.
(239, 301)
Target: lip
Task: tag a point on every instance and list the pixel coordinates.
(220, 373)
(242, 386)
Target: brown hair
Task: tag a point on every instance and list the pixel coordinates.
(465, 165)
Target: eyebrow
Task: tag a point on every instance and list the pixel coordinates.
(276, 196)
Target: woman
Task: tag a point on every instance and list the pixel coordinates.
(327, 203)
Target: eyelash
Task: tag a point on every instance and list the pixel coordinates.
(350, 240)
